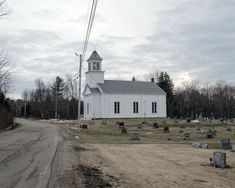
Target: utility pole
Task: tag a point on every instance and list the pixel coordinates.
(25, 106)
(79, 88)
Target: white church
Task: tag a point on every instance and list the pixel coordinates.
(118, 98)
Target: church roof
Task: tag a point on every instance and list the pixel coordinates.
(130, 87)
(95, 56)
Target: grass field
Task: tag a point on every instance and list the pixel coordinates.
(112, 133)
(158, 159)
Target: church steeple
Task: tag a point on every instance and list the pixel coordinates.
(94, 74)
(94, 62)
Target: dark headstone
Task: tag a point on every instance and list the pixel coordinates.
(225, 144)
(155, 125)
(84, 126)
(124, 130)
(166, 130)
(135, 136)
(219, 159)
(181, 131)
(121, 124)
(186, 136)
(209, 134)
(229, 129)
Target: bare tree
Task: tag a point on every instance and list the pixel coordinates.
(71, 86)
(3, 8)
(6, 66)
(152, 75)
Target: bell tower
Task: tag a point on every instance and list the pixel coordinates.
(94, 74)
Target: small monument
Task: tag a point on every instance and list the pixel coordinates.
(233, 147)
(139, 126)
(135, 136)
(219, 159)
(225, 144)
(166, 130)
(84, 126)
(155, 125)
(121, 124)
(124, 130)
(229, 129)
(186, 136)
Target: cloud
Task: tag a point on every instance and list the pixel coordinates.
(187, 38)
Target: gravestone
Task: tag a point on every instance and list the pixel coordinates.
(198, 130)
(84, 126)
(139, 126)
(181, 131)
(91, 122)
(121, 124)
(155, 125)
(203, 145)
(166, 130)
(209, 134)
(124, 130)
(104, 122)
(225, 144)
(229, 129)
(196, 144)
(135, 136)
(186, 136)
(233, 147)
(219, 159)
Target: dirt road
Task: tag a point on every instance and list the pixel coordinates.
(38, 154)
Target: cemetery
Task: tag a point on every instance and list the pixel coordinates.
(148, 150)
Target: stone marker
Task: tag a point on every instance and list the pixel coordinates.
(91, 122)
(196, 144)
(139, 126)
(203, 145)
(166, 130)
(84, 126)
(219, 159)
(200, 145)
(135, 136)
(181, 131)
(124, 130)
(229, 129)
(121, 124)
(104, 122)
(209, 134)
(155, 125)
(233, 147)
(186, 136)
(225, 144)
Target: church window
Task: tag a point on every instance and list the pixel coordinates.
(98, 65)
(94, 66)
(154, 107)
(116, 107)
(135, 108)
(89, 66)
(87, 108)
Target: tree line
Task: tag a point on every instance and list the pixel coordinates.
(53, 100)
(6, 115)
(194, 101)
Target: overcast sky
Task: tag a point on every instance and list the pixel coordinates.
(190, 39)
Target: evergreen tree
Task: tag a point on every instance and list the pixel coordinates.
(57, 90)
(165, 82)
